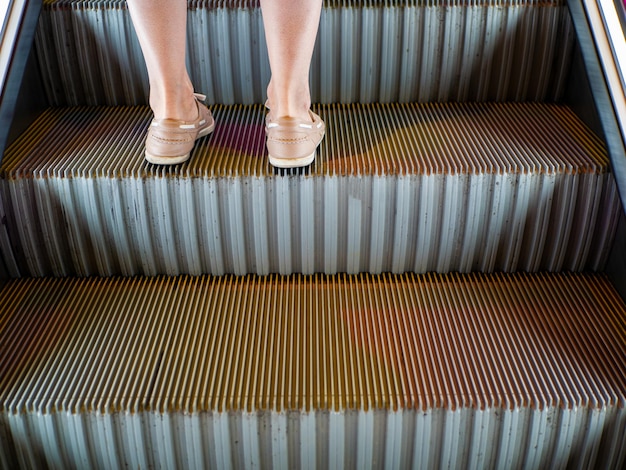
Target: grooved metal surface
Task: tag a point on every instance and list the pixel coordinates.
(454, 187)
(495, 371)
(412, 51)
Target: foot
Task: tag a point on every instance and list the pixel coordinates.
(170, 141)
(292, 142)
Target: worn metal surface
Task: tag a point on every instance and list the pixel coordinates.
(366, 52)
(455, 187)
(492, 371)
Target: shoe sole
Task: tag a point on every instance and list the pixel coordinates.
(177, 159)
(291, 162)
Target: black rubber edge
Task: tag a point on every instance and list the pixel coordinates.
(17, 64)
(599, 89)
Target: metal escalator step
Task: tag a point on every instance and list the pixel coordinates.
(433, 187)
(492, 371)
(392, 51)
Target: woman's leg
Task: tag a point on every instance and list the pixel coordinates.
(179, 116)
(161, 27)
(290, 32)
(293, 131)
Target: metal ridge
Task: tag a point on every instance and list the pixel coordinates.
(433, 187)
(327, 3)
(492, 371)
(312, 343)
(374, 139)
(378, 52)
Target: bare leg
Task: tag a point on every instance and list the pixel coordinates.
(290, 31)
(179, 119)
(161, 28)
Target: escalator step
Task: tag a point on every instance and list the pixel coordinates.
(529, 365)
(395, 188)
(367, 51)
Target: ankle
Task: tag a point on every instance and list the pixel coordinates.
(294, 104)
(179, 104)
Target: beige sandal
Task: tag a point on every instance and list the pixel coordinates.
(292, 142)
(170, 141)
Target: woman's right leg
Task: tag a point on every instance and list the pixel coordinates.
(293, 131)
(290, 31)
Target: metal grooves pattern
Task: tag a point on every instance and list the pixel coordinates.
(434, 371)
(454, 187)
(366, 52)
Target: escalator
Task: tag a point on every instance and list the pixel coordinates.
(443, 287)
